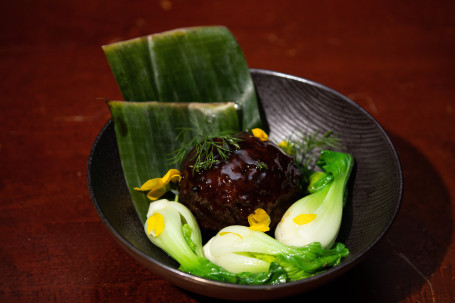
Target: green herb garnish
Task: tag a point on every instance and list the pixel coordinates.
(209, 149)
(304, 150)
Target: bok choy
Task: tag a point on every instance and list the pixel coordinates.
(236, 254)
(239, 248)
(317, 216)
(172, 227)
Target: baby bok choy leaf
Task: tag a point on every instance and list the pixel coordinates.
(317, 217)
(173, 228)
(239, 248)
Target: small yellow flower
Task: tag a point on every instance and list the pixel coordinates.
(304, 219)
(159, 186)
(173, 175)
(155, 224)
(260, 134)
(286, 146)
(259, 220)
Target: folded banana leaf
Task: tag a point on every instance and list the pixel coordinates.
(146, 135)
(198, 64)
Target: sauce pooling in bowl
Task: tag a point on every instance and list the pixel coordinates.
(257, 175)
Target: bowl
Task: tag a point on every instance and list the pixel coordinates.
(290, 104)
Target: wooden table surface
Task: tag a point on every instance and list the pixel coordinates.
(396, 59)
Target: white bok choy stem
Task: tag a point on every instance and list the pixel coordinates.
(227, 247)
(240, 249)
(168, 234)
(317, 217)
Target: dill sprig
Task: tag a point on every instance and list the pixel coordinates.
(305, 149)
(209, 149)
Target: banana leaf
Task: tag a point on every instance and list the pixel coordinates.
(146, 134)
(197, 64)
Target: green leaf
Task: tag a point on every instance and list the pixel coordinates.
(146, 135)
(198, 64)
(186, 231)
(311, 259)
(319, 180)
(275, 275)
(204, 268)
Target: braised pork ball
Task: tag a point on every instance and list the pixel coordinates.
(256, 175)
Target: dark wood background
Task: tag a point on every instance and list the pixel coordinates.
(394, 58)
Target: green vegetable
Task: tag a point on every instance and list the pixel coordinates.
(239, 249)
(317, 217)
(172, 227)
(197, 64)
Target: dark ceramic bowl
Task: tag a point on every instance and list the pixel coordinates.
(290, 104)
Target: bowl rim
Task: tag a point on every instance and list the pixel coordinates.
(179, 277)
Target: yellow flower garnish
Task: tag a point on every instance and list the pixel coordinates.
(159, 186)
(173, 175)
(259, 220)
(286, 146)
(304, 219)
(155, 224)
(229, 232)
(260, 134)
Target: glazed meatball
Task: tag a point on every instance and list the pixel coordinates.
(258, 174)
